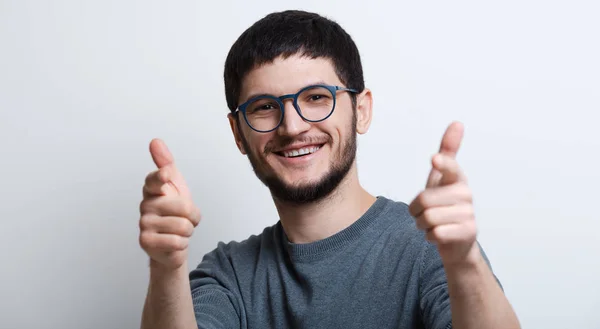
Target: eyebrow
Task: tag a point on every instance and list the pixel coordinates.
(320, 82)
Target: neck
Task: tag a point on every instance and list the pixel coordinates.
(318, 220)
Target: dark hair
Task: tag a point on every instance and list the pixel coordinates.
(285, 34)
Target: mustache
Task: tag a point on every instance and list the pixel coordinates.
(283, 142)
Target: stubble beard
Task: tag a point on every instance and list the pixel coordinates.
(312, 191)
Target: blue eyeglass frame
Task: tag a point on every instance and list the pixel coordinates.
(332, 89)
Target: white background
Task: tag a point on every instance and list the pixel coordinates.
(85, 86)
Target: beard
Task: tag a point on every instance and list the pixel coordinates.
(311, 191)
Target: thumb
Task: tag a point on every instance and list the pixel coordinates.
(450, 145)
(434, 179)
(452, 139)
(161, 155)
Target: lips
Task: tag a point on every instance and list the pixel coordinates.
(298, 151)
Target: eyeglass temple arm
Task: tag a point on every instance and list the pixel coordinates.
(346, 89)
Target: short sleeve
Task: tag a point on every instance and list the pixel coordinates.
(434, 299)
(215, 296)
(433, 289)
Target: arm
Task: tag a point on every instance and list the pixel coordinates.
(444, 210)
(169, 300)
(176, 301)
(168, 218)
(476, 299)
(462, 297)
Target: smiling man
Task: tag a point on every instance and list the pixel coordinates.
(338, 257)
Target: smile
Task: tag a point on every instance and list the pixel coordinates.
(294, 153)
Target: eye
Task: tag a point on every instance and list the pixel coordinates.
(262, 105)
(265, 107)
(317, 97)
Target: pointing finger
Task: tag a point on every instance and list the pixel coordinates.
(441, 196)
(449, 169)
(171, 206)
(444, 215)
(159, 183)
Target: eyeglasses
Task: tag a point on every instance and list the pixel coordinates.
(313, 103)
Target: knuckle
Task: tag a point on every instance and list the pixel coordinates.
(466, 191)
(179, 226)
(197, 216)
(471, 228)
(143, 223)
(144, 206)
(187, 228)
(145, 190)
(147, 206)
(188, 209)
(163, 175)
(146, 222)
(178, 243)
(149, 177)
(428, 214)
(470, 212)
(423, 199)
(146, 241)
(438, 235)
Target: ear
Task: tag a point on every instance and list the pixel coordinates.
(236, 133)
(364, 111)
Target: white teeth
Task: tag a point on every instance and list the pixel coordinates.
(302, 151)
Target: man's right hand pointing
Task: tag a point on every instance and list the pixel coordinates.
(168, 215)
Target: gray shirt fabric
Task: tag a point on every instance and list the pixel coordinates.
(380, 272)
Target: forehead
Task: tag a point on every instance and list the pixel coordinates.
(286, 76)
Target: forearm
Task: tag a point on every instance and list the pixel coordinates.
(169, 300)
(476, 299)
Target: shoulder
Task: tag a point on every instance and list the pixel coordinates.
(252, 244)
(398, 215)
(226, 255)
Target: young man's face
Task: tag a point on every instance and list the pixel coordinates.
(332, 142)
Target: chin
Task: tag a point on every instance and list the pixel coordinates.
(302, 183)
(297, 178)
(303, 180)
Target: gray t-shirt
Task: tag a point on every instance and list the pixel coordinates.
(380, 272)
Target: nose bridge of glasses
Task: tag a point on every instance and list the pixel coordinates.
(291, 97)
(288, 96)
(292, 119)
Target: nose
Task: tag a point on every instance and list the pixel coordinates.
(292, 123)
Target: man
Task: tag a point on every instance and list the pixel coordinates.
(338, 257)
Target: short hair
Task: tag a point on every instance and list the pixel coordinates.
(288, 33)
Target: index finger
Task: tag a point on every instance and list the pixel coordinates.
(449, 169)
(159, 183)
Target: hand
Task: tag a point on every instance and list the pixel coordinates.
(444, 210)
(168, 214)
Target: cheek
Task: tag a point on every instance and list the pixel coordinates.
(256, 143)
(340, 130)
